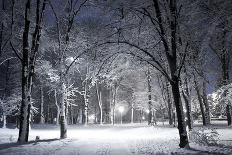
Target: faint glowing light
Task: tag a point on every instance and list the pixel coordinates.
(143, 118)
(185, 110)
(147, 111)
(69, 60)
(121, 109)
(91, 117)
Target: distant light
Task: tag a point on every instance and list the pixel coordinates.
(147, 111)
(91, 117)
(184, 110)
(121, 109)
(143, 118)
(71, 59)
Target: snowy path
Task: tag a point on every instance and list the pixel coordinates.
(101, 140)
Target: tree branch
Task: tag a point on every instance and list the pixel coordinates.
(143, 50)
(16, 52)
(7, 60)
(183, 59)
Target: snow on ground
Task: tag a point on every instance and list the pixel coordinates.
(127, 139)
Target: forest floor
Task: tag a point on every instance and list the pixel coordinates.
(126, 139)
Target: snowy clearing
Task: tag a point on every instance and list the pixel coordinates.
(109, 140)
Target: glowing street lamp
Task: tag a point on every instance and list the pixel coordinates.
(143, 118)
(121, 109)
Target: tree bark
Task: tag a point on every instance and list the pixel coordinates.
(4, 121)
(80, 116)
(180, 113)
(99, 96)
(28, 63)
(206, 104)
(57, 108)
(2, 29)
(86, 108)
(112, 106)
(71, 114)
(26, 96)
(63, 123)
(187, 100)
(201, 103)
(149, 97)
(132, 114)
(228, 114)
(225, 61)
(170, 107)
(41, 105)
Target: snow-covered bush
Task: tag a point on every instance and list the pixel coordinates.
(220, 99)
(204, 136)
(11, 104)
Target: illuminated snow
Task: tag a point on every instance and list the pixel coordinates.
(94, 139)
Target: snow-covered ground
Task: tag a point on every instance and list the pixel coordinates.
(136, 139)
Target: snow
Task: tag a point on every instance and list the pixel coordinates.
(126, 139)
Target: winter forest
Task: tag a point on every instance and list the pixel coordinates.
(120, 77)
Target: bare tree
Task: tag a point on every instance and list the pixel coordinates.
(28, 64)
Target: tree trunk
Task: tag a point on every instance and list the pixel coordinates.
(71, 114)
(2, 28)
(86, 112)
(57, 108)
(24, 111)
(99, 97)
(225, 67)
(172, 61)
(206, 104)
(41, 106)
(154, 119)
(228, 114)
(112, 106)
(201, 103)
(225, 61)
(132, 114)
(174, 119)
(67, 116)
(4, 121)
(149, 97)
(171, 55)
(25, 84)
(86, 97)
(180, 113)
(187, 100)
(80, 116)
(28, 62)
(170, 107)
(6, 92)
(95, 114)
(101, 115)
(112, 114)
(63, 123)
